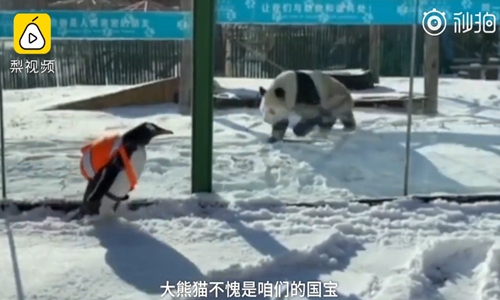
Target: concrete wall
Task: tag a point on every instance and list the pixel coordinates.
(155, 92)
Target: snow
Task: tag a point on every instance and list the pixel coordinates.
(399, 250)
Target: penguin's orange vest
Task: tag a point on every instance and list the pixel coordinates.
(97, 155)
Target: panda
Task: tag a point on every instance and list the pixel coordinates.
(317, 98)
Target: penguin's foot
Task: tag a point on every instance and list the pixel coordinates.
(83, 211)
(90, 208)
(116, 198)
(78, 215)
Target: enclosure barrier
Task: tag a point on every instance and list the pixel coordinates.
(202, 106)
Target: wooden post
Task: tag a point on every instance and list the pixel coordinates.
(228, 62)
(186, 80)
(374, 58)
(431, 74)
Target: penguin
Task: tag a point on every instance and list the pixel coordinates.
(111, 184)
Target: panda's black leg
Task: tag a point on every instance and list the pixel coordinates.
(326, 124)
(326, 121)
(305, 126)
(279, 130)
(348, 121)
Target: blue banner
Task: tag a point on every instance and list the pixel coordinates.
(346, 12)
(177, 25)
(111, 25)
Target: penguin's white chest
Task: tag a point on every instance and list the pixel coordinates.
(121, 185)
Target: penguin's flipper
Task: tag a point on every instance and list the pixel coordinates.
(98, 187)
(116, 198)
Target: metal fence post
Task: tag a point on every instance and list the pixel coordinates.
(410, 102)
(203, 103)
(2, 139)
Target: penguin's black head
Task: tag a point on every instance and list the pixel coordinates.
(142, 134)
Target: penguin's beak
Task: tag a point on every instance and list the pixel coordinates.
(162, 131)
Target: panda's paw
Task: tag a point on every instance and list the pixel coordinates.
(279, 130)
(304, 127)
(272, 140)
(349, 128)
(324, 131)
(348, 122)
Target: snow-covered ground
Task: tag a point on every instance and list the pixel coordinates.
(398, 251)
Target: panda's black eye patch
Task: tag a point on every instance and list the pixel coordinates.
(279, 92)
(262, 91)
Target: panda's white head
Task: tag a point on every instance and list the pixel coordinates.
(273, 105)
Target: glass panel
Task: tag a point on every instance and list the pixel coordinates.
(457, 151)
(83, 89)
(366, 163)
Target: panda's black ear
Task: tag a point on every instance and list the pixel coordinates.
(279, 92)
(262, 91)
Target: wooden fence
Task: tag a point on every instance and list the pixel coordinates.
(241, 51)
